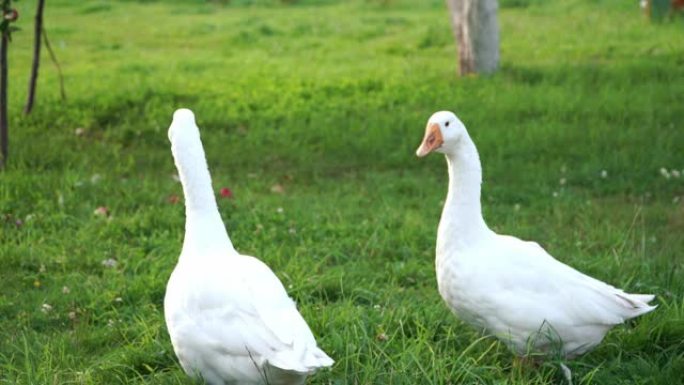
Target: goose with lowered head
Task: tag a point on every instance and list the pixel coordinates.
(513, 289)
(228, 315)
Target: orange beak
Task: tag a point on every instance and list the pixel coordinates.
(432, 140)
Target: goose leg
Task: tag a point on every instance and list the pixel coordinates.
(566, 373)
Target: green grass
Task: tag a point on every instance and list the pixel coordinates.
(330, 101)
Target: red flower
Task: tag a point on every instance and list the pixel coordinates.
(226, 193)
(102, 211)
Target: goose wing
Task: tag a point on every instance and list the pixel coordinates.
(247, 312)
(517, 287)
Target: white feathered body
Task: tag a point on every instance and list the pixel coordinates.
(232, 322)
(511, 288)
(535, 304)
(229, 317)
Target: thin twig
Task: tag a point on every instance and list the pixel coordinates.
(4, 136)
(56, 63)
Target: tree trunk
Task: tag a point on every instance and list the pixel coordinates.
(38, 29)
(4, 137)
(476, 32)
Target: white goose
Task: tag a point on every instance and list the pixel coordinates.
(511, 288)
(229, 317)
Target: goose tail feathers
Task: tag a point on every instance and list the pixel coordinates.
(637, 304)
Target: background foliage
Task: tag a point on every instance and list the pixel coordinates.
(310, 114)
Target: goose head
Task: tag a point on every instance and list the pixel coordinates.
(183, 126)
(442, 134)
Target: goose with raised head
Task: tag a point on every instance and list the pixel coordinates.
(510, 288)
(228, 315)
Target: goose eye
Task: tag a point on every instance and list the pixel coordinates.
(446, 124)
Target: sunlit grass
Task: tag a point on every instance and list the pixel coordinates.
(330, 102)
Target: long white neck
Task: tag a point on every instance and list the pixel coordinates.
(462, 221)
(205, 232)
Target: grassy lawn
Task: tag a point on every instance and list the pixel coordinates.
(329, 102)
